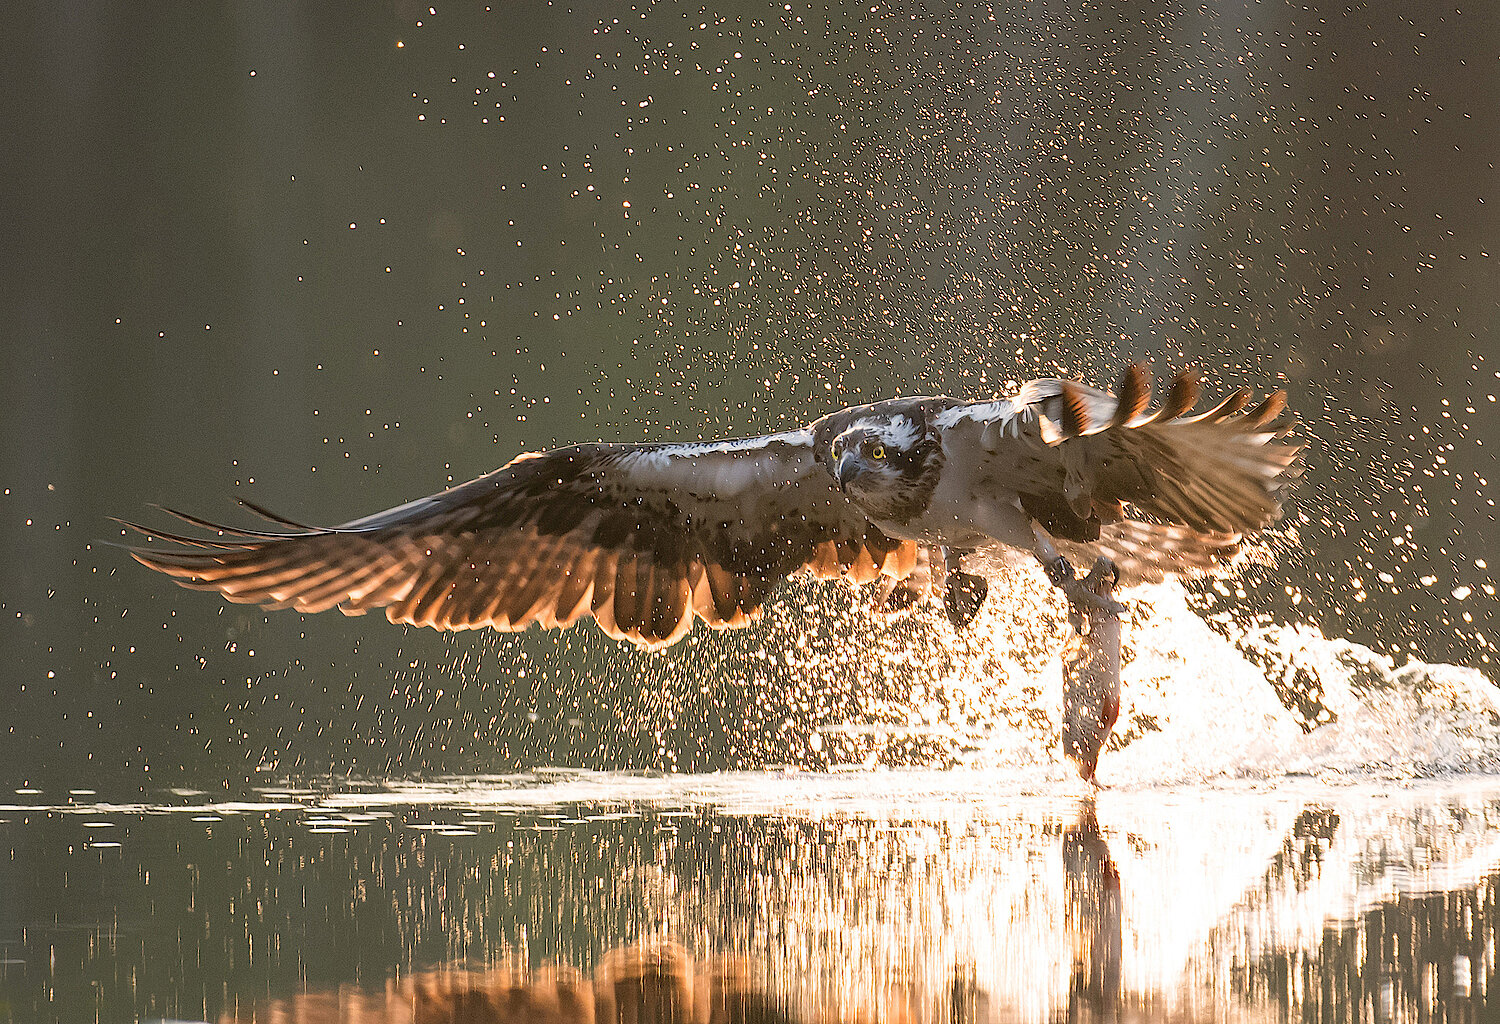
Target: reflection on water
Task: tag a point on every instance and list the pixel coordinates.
(1092, 915)
(919, 895)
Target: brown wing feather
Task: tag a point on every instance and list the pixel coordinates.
(1182, 395)
(1075, 412)
(643, 538)
(1135, 395)
(1212, 478)
(1223, 471)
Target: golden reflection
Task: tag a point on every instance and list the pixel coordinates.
(640, 984)
(1092, 915)
(914, 897)
(1116, 911)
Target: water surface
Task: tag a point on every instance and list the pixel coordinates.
(845, 894)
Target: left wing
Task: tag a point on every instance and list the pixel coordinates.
(1221, 471)
(640, 537)
(1081, 455)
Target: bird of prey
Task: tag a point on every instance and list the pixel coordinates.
(644, 538)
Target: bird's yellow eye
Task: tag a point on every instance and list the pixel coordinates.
(877, 451)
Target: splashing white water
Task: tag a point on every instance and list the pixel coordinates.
(1202, 702)
(1374, 719)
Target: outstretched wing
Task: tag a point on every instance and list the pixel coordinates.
(1222, 471)
(1159, 490)
(640, 537)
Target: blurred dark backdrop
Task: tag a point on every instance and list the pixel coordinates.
(331, 258)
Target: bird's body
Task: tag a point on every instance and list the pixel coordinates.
(646, 538)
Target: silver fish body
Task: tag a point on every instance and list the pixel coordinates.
(1091, 680)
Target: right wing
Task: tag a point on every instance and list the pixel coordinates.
(642, 538)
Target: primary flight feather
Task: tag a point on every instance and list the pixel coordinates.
(644, 538)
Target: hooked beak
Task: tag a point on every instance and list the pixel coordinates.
(846, 469)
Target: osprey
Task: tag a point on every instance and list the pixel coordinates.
(644, 538)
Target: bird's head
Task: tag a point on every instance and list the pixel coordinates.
(887, 463)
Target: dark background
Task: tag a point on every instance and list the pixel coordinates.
(331, 258)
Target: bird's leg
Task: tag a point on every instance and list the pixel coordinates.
(1102, 580)
(1079, 592)
(963, 593)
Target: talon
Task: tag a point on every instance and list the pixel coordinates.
(1103, 565)
(1079, 594)
(1104, 568)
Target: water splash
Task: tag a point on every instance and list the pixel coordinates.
(1205, 700)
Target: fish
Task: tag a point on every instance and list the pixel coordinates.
(1091, 675)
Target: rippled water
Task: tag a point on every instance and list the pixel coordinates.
(845, 894)
(1248, 861)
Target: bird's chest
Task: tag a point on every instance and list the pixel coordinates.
(970, 504)
(940, 518)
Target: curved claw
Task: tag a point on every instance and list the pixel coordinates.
(1081, 593)
(1078, 593)
(963, 597)
(1103, 566)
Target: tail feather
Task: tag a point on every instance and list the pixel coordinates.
(1143, 552)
